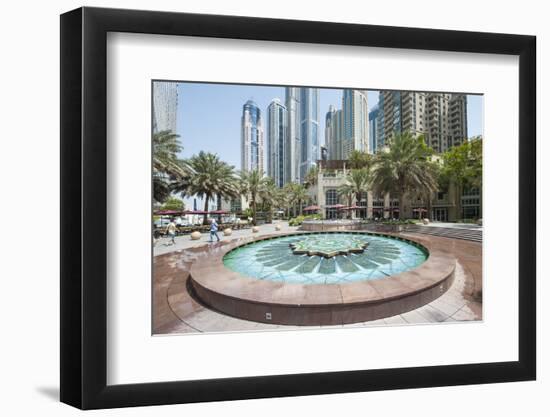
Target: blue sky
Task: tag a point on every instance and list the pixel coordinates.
(209, 115)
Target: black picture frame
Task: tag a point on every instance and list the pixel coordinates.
(84, 207)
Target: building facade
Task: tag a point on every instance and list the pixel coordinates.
(380, 143)
(310, 150)
(356, 122)
(373, 127)
(277, 161)
(165, 106)
(445, 205)
(293, 145)
(330, 137)
(252, 138)
(440, 117)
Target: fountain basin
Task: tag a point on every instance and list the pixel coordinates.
(319, 298)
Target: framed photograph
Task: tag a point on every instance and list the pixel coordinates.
(258, 208)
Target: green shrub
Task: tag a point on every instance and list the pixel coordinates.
(399, 221)
(298, 220)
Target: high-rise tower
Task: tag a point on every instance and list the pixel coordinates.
(440, 117)
(277, 161)
(310, 151)
(356, 122)
(373, 127)
(293, 147)
(252, 138)
(165, 103)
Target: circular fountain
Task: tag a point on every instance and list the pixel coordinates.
(322, 278)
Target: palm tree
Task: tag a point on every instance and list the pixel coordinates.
(210, 177)
(299, 195)
(346, 191)
(166, 147)
(430, 184)
(251, 183)
(287, 197)
(166, 165)
(463, 166)
(358, 160)
(357, 183)
(311, 176)
(281, 200)
(268, 195)
(401, 168)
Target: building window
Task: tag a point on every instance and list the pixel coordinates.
(331, 197)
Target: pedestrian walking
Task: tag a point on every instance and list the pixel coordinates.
(171, 231)
(213, 230)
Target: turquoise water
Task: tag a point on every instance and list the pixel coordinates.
(274, 259)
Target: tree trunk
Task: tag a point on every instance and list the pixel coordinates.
(401, 206)
(254, 209)
(480, 203)
(205, 215)
(300, 204)
(459, 215)
(429, 207)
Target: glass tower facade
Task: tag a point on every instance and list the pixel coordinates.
(356, 123)
(277, 142)
(252, 138)
(373, 118)
(165, 104)
(310, 151)
(293, 146)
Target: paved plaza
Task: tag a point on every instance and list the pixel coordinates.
(184, 242)
(176, 311)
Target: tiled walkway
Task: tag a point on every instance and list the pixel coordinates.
(175, 311)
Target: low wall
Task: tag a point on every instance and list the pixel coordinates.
(342, 225)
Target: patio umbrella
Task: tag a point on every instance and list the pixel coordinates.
(195, 212)
(311, 208)
(168, 212)
(419, 210)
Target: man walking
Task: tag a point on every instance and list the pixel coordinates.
(171, 231)
(213, 230)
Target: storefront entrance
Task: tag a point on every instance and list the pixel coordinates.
(440, 215)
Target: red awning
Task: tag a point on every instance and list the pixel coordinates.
(168, 212)
(218, 212)
(311, 208)
(335, 206)
(196, 212)
(353, 208)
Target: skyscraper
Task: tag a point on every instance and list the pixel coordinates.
(310, 151)
(293, 146)
(252, 138)
(380, 143)
(334, 131)
(356, 122)
(165, 103)
(330, 139)
(277, 142)
(338, 129)
(440, 117)
(373, 127)
(458, 115)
